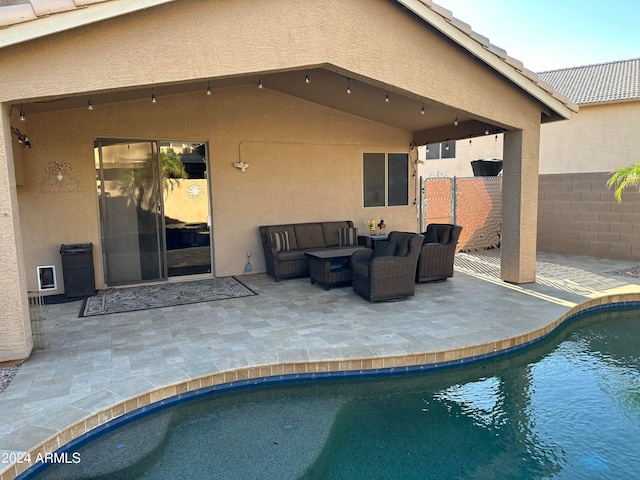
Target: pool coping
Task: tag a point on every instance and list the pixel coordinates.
(272, 374)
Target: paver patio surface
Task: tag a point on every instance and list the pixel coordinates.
(95, 362)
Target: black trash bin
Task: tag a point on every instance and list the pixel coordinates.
(77, 270)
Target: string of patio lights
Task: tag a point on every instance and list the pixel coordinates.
(22, 138)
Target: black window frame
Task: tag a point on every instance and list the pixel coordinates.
(385, 179)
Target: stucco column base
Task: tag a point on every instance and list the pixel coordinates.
(520, 205)
(16, 342)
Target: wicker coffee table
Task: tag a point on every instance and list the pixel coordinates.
(331, 267)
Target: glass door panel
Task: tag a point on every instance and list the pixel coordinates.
(186, 208)
(130, 199)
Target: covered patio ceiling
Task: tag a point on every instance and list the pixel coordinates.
(326, 85)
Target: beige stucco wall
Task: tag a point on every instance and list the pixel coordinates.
(599, 138)
(386, 45)
(480, 148)
(15, 326)
(305, 165)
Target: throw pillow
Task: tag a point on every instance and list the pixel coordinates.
(347, 236)
(431, 235)
(280, 240)
(384, 248)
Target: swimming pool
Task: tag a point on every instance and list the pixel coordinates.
(568, 407)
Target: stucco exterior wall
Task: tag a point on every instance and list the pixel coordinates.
(305, 165)
(599, 138)
(15, 326)
(237, 37)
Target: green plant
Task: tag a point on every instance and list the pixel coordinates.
(623, 177)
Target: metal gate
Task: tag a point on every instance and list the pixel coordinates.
(475, 203)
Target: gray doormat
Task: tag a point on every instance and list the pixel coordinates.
(118, 300)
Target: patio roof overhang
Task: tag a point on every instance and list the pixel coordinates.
(329, 81)
(371, 99)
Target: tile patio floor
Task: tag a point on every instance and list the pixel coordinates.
(93, 363)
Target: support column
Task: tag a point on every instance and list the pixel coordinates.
(15, 327)
(520, 205)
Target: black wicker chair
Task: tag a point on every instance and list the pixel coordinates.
(388, 271)
(437, 253)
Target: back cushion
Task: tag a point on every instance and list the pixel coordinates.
(384, 248)
(431, 235)
(293, 244)
(330, 232)
(403, 239)
(444, 234)
(309, 235)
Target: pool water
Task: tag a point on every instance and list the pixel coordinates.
(566, 408)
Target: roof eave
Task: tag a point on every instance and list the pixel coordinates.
(24, 32)
(487, 53)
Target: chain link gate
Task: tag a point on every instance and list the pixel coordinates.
(475, 203)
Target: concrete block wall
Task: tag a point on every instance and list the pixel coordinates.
(578, 214)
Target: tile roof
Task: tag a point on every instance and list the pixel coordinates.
(18, 11)
(604, 82)
(15, 12)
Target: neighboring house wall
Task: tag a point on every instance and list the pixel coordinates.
(577, 213)
(599, 138)
(480, 148)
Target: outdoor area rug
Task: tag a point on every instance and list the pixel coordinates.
(118, 300)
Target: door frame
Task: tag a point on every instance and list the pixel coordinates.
(162, 239)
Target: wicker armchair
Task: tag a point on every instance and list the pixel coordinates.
(388, 271)
(436, 255)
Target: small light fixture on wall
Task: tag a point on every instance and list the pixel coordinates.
(59, 176)
(306, 78)
(260, 84)
(241, 165)
(22, 138)
(23, 118)
(422, 109)
(348, 85)
(154, 99)
(455, 122)
(209, 88)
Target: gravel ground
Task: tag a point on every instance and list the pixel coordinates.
(631, 272)
(6, 375)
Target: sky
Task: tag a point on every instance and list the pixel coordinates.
(553, 34)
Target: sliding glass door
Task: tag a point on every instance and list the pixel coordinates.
(154, 218)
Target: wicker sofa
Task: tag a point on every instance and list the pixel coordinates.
(284, 261)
